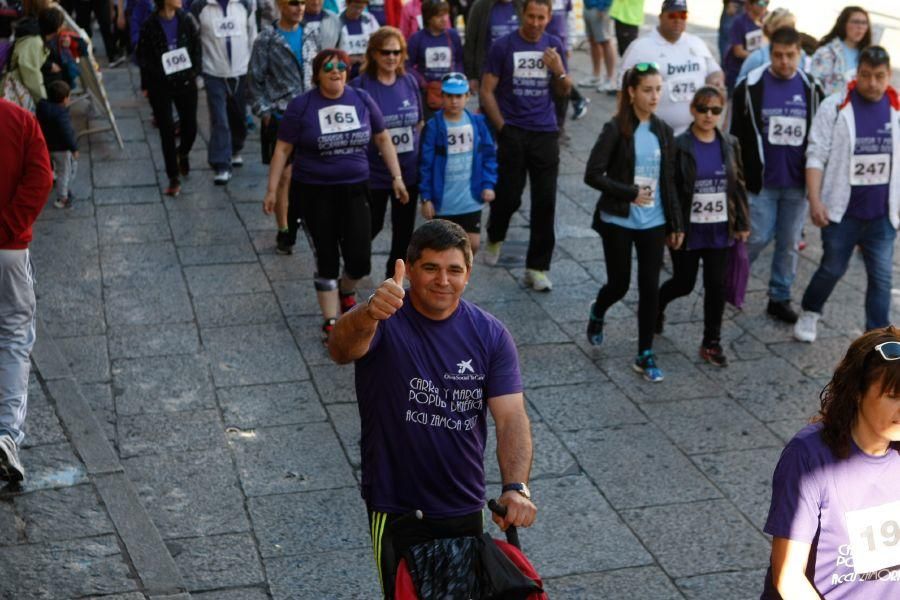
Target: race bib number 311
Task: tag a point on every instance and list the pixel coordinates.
(460, 139)
(529, 65)
(787, 131)
(870, 169)
(338, 118)
(176, 60)
(875, 537)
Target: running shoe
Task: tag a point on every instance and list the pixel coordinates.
(608, 87)
(348, 301)
(594, 328)
(327, 328)
(283, 243)
(538, 280)
(222, 177)
(580, 108)
(781, 310)
(712, 353)
(491, 253)
(174, 188)
(645, 364)
(589, 82)
(805, 327)
(63, 202)
(10, 468)
(237, 161)
(184, 165)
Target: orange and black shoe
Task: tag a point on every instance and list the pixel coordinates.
(174, 188)
(348, 301)
(712, 353)
(327, 328)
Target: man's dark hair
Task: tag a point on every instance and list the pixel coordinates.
(785, 36)
(438, 235)
(57, 91)
(49, 21)
(524, 4)
(875, 56)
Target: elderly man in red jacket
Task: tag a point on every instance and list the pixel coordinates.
(24, 188)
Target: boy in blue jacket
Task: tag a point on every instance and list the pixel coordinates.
(458, 165)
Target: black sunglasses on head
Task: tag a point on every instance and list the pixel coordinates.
(703, 109)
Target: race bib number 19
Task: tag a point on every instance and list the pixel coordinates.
(227, 27)
(338, 118)
(437, 57)
(529, 65)
(176, 60)
(870, 169)
(787, 131)
(875, 537)
(460, 139)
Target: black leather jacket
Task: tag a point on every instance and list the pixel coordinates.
(610, 169)
(153, 45)
(736, 192)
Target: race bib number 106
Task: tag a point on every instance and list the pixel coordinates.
(338, 118)
(176, 60)
(875, 537)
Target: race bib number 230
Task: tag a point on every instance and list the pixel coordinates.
(529, 65)
(338, 118)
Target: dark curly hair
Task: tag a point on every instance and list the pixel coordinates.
(861, 368)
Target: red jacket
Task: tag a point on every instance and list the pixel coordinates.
(25, 175)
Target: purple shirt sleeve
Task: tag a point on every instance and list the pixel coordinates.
(504, 377)
(794, 511)
(738, 29)
(290, 125)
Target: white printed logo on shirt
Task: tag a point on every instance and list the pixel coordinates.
(709, 208)
(786, 131)
(870, 169)
(460, 139)
(529, 65)
(175, 61)
(227, 27)
(338, 118)
(402, 137)
(437, 57)
(875, 537)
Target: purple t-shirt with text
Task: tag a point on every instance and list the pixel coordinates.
(170, 28)
(376, 9)
(743, 30)
(709, 206)
(813, 492)
(559, 20)
(422, 390)
(503, 20)
(784, 131)
(872, 158)
(523, 91)
(433, 56)
(401, 109)
(330, 137)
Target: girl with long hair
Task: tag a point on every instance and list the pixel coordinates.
(834, 62)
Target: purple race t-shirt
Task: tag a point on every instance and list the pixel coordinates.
(815, 496)
(559, 20)
(170, 28)
(376, 9)
(503, 20)
(433, 56)
(870, 169)
(401, 109)
(784, 131)
(422, 390)
(709, 206)
(523, 91)
(746, 33)
(330, 137)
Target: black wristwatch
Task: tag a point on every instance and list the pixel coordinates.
(522, 488)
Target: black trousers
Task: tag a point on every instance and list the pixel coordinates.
(617, 243)
(534, 154)
(625, 34)
(403, 221)
(392, 534)
(337, 220)
(185, 102)
(101, 10)
(685, 264)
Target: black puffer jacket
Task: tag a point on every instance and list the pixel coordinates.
(610, 169)
(153, 45)
(736, 192)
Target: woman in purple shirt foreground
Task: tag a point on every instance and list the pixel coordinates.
(835, 512)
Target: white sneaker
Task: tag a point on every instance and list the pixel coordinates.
(222, 177)
(491, 253)
(10, 467)
(607, 86)
(237, 160)
(589, 82)
(538, 280)
(805, 327)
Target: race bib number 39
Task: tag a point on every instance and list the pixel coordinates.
(875, 537)
(338, 118)
(437, 57)
(460, 139)
(176, 60)
(709, 208)
(529, 65)
(402, 137)
(227, 27)
(787, 131)
(870, 169)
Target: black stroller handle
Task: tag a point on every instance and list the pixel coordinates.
(512, 534)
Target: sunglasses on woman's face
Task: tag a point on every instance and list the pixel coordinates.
(888, 350)
(678, 14)
(702, 109)
(296, 2)
(386, 52)
(331, 66)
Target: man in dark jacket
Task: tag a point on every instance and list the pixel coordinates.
(24, 188)
(488, 21)
(773, 110)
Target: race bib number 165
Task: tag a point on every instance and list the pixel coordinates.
(338, 118)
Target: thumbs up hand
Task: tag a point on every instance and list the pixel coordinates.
(388, 298)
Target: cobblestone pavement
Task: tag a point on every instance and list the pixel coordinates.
(188, 433)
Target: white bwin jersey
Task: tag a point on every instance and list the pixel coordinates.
(684, 67)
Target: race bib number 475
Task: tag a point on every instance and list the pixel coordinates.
(870, 169)
(227, 27)
(176, 60)
(338, 118)
(681, 89)
(875, 537)
(787, 131)
(529, 65)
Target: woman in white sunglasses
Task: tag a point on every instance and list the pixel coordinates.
(835, 512)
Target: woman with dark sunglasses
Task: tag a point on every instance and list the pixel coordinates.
(835, 510)
(633, 164)
(328, 130)
(709, 179)
(396, 93)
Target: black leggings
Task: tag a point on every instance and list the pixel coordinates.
(685, 264)
(337, 221)
(617, 242)
(403, 220)
(186, 104)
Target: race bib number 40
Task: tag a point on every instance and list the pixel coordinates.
(460, 139)
(402, 137)
(227, 27)
(338, 118)
(875, 537)
(529, 65)
(709, 208)
(870, 169)
(681, 89)
(787, 131)
(437, 57)
(176, 60)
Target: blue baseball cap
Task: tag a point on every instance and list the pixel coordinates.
(454, 83)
